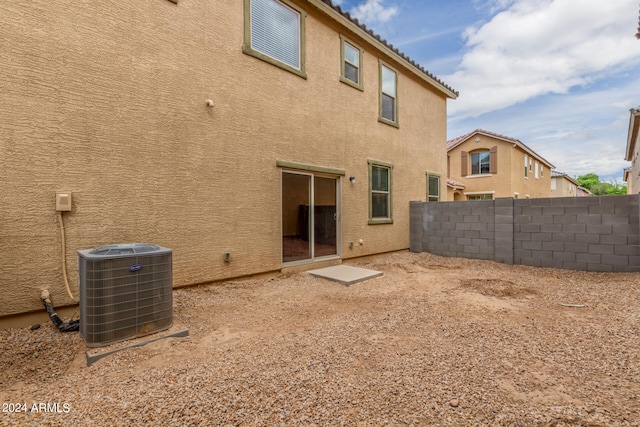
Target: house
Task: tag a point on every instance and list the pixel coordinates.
(632, 177)
(247, 136)
(562, 185)
(487, 165)
(626, 177)
(638, 32)
(582, 192)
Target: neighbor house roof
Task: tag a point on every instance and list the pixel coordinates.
(345, 19)
(556, 174)
(452, 143)
(638, 33)
(634, 128)
(455, 184)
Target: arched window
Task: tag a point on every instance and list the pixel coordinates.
(480, 162)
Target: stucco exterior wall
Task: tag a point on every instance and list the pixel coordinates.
(633, 184)
(509, 179)
(106, 100)
(563, 187)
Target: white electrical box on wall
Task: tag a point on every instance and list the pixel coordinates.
(63, 202)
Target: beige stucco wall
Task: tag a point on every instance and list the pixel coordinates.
(564, 187)
(509, 178)
(107, 100)
(633, 185)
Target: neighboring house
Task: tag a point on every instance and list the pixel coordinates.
(454, 189)
(632, 177)
(486, 165)
(562, 185)
(638, 32)
(247, 136)
(626, 173)
(582, 192)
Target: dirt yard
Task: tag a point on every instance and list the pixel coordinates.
(435, 341)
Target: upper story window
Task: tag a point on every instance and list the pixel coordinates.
(526, 168)
(274, 32)
(480, 163)
(351, 68)
(388, 95)
(537, 169)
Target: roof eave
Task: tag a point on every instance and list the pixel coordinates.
(374, 41)
(632, 137)
(513, 141)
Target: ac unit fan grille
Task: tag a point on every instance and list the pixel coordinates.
(123, 297)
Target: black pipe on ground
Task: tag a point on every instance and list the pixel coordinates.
(71, 326)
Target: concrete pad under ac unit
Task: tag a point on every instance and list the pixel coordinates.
(345, 274)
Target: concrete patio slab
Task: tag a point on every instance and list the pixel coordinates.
(345, 274)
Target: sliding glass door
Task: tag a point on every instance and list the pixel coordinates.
(310, 216)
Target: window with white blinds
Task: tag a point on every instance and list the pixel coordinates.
(276, 31)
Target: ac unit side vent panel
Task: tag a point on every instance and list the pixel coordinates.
(126, 291)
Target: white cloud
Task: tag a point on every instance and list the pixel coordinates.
(538, 47)
(492, 6)
(373, 12)
(582, 133)
(337, 2)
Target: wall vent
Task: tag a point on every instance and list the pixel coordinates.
(126, 291)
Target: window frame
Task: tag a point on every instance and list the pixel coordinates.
(526, 167)
(343, 60)
(248, 49)
(488, 163)
(480, 196)
(430, 196)
(389, 166)
(395, 123)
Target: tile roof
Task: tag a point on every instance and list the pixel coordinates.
(452, 143)
(388, 45)
(557, 174)
(638, 33)
(455, 184)
(455, 141)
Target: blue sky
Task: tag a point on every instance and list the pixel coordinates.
(559, 75)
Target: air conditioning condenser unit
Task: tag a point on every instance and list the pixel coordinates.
(126, 291)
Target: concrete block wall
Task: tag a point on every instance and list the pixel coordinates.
(457, 229)
(600, 233)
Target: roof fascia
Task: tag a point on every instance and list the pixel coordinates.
(342, 20)
(632, 137)
(512, 141)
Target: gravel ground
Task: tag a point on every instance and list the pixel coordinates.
(435, 341)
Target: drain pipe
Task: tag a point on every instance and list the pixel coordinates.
(71, 326)
(63, 257)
